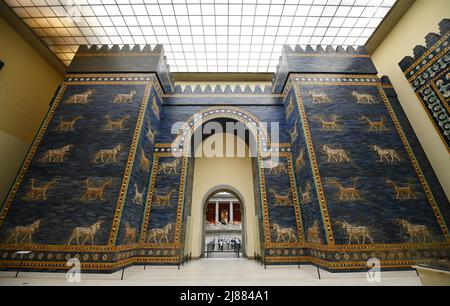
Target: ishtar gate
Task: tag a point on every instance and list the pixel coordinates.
(335, 174)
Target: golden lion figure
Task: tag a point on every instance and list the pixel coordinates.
(124, 98)
(86, 232)
(56, 155)
(26, 232)
(81, 98)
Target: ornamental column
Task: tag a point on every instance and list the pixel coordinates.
(231, 213)
(217, 212)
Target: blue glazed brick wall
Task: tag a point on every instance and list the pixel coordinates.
(310, 208)
(377, 207)
(134, 207)
(332, 200)
(65, 207)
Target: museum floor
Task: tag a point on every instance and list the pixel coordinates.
(223, 272)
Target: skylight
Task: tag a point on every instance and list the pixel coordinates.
(203, 35)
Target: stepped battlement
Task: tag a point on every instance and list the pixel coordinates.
(431, 40)
(330, 50)
(120, 59)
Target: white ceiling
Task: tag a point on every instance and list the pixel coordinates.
(203, 35)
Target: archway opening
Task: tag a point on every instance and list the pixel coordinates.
(223, 226)
(211, 176)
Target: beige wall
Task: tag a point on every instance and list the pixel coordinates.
(27, 84)
(213, 174)
(422, 18)
(12, 152)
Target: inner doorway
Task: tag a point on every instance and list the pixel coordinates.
(223, 236)
(211, 176)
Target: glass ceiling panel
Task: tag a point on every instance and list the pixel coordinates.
(203, 35)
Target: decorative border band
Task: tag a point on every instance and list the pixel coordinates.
(314, 167)
(129, 167)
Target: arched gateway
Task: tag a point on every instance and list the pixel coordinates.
(238, 168)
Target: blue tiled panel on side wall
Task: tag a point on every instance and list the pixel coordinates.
(429, 75)
(310, 209)
(138, 187)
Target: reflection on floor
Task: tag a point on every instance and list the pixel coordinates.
(225, 272)
(229, 255)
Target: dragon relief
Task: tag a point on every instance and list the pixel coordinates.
(346, 193)
(39, 193)
(115, 124)
(328, 124)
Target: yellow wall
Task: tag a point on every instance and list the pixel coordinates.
(213, 174)
(422, 18)
(27, 84)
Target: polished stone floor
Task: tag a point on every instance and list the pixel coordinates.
(211, 272)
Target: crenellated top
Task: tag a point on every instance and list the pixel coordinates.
(96, 49)
(434, 44)
(123, 59)
(328, 50)
(228, 89)
(323, 60)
